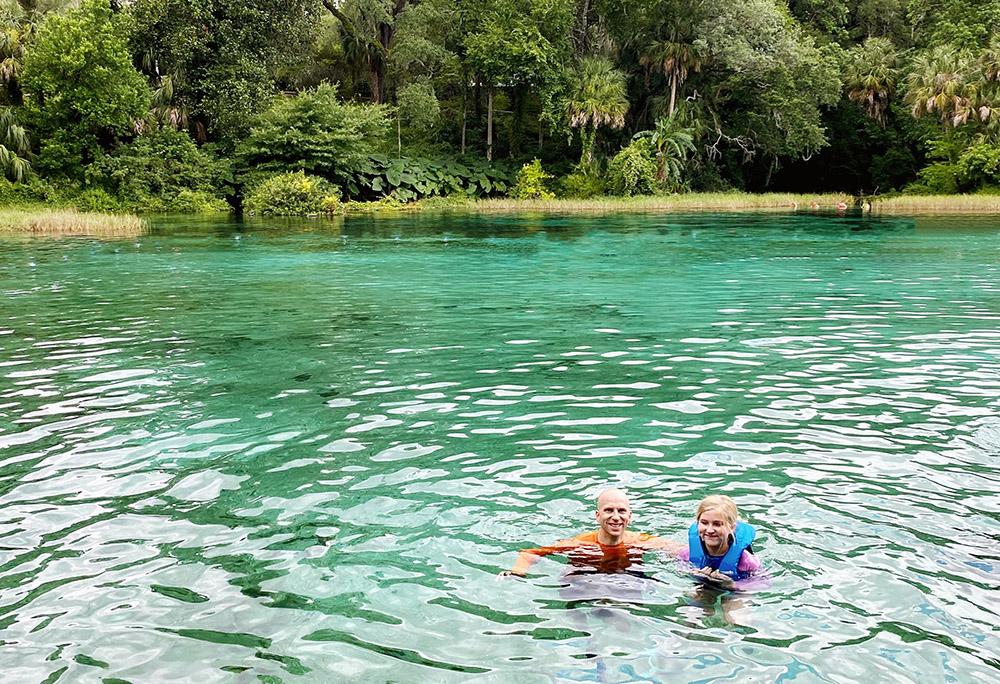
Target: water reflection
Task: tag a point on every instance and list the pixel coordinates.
(304, 454)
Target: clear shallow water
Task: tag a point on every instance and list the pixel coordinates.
(301, 452)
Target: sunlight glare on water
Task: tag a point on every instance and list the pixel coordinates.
(302, 451)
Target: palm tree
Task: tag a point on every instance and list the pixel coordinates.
(674, 56)
(597, 98)
(941, 81)
(165, 110)
(15, 33)
(15, 146)
(871, 77)
(989, 63)
(673, 142)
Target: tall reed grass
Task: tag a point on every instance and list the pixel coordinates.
(692, 201)
(982, 204)
(66, 222)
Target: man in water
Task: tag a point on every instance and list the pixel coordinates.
(611, 549)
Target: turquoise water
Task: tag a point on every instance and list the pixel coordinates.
(302, 451)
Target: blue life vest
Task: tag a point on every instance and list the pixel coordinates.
(740, 541)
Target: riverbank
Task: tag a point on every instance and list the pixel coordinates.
(938, 204)
(722, 201)
(52, 222)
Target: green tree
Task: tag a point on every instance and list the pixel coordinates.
(82, 90)
(596, 98)
(941, 82)
(418, 109)
(832, 17)
(521, 44)
(151, 172)
(369, 30)
(883, 19)
(968, 23)
(16, 31)
(221, 60)
(672, 143)
(632, 171)
(15, 146)
(673, 53)
(316, 133)
(769, 81)
(871, 76)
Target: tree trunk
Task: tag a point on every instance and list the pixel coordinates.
(581, 29)
(673, 92)
(489, 122)
(588, 136)
(373, 79)
(518, 101)
(386, 32)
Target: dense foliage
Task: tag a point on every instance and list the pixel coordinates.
(82, 89)
(292, 194)
(173, 105)
(530, 182)
(633, 171)
(162, 171)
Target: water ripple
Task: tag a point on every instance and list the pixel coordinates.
(304, 455)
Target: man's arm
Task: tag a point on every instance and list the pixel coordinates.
(525, 559)
(653, 543)
(528, 557)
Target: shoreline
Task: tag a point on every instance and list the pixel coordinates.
(820, 204)
(41, 221)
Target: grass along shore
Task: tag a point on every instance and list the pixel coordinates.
(52, 222)
(68, 222)
(719, 201)
(736, 201)
(937, 204)
(728, 201)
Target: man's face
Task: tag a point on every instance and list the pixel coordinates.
(613, 513)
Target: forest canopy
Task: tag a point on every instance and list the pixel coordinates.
(408, 98)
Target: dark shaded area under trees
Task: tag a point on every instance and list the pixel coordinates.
(184, 105)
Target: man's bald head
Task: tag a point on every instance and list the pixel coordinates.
(611, 493)
(613, 515)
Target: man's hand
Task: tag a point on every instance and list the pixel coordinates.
(508, 573)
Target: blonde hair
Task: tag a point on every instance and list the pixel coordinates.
(719, 502)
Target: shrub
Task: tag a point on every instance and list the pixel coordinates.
(412, 178)
(530, 183)
(979, 165)
(291, 194)
(633, 171)
(196, 202)
(20, 194)
(316, 133)
(96, 200)
(583, 185)
(939, 178)
(163, 171)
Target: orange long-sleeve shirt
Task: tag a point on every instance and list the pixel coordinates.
(585, 550)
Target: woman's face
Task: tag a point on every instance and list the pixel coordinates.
(714, 529)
